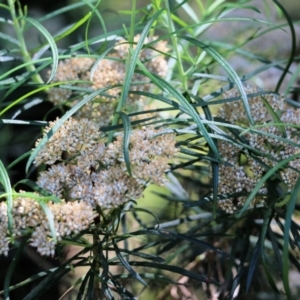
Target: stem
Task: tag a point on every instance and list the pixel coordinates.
(176, 47)
(19, 32)
(96, 266)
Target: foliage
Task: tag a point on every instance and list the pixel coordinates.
(132, 109)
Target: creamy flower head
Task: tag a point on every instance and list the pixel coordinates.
(96, 173)
(72, 137)
(109, 73)
(28, 216)
(248, 168)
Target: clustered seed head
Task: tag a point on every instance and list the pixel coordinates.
(72, 137)
(80, 166)
(109, 73)
(242, 177)
(90, 174)
(96, 173)
(28, 216)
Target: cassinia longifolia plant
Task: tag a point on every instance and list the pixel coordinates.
(132, 118)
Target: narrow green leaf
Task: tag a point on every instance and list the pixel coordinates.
(150, 276)
(173, 269)
(187, 238)
(126, 139)
(243, 262)
(20, 158)
(238, 5)
(12, 104)
(188, 109)
(229, 70)
(5, 6)
(51, 42)
(127, 265)
(50, 218)
(285, 253)
(134, 58)
(189, 10)
(91, 286)
(95, 65)
(143, 255)
(268, 273)
(53, 277)
(275, 117)
(268, 215)
(27, 77)
(81, 290)
(9, 38)
(253, 263)
(42, 192)
(5, 181)
(64, 9)
(73, 27)
(12, 267)
(293, 46)
(278, 256)
(264, 178)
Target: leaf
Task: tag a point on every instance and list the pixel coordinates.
(73, 27)
(174, 269)
(126, 139)
(20, 158)
(5, 181)
(184, 237)
(286, 236)
(12, 267)
(50, 219)
(51, 42)
(293, 46)
(242, 264)
(81, 290)
(188, 109)
(127, 265)
(143, 255)
(9, 38)
(53, 276)
(264, 178)
(275, 117)
(90, 293)
(278, 260)
(253, 263)
(229, 70)
(32, 184)
(134, 58)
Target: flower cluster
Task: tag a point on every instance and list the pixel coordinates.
(109, 73)
(96, 173)
(248, 166)
(28, 216)
(89, 174)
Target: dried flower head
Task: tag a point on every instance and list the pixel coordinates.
(28, 216)
(247, 167)
(72, 137)
(109, 73)
(97, 173)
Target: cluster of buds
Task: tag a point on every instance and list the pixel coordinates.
(90, 175)
(29, 217)
(265, 148)
(83, 168)
(109, 73)
(80, 167)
